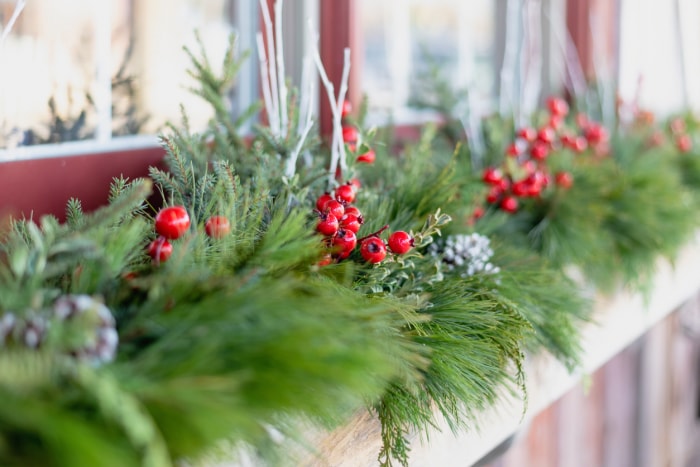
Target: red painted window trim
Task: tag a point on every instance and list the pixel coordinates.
(42, 186)
(578, 13)
(339, 29)
(35, 187)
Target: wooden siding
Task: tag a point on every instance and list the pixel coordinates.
(641, 409)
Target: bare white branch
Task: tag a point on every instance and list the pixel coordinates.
(294, 156)
(281, 78)
(272, 115)
(274, 89)
(337, 114)
(510, 59)
(576, 84)
(330, 91)
(19, 6)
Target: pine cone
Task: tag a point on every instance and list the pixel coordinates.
(8, 322)
(470, 254)
(100, 345)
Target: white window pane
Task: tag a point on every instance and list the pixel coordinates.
(402, 40)
(650, 55)
(161, 28)
(46, 73)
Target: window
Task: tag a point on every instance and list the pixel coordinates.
(660, 67)
(402, 40)
(85, 70)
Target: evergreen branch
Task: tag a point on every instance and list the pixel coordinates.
(122, 408)
(74, 213)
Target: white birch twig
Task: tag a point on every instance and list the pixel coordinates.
(274, 89)
(290, 169)
(265, 82)
(576, 84)
(337, 115)
(281, 78)
(330, 92)
(19, 6)
(307, 92)
(510, 59)
(532, 85)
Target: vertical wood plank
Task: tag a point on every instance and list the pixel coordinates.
(684, 426)
(544, 439)
(620, 408)
(580, 423)
(652, 440)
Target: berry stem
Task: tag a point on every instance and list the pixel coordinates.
(373, 234)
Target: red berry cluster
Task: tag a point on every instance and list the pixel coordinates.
(525, 172)
(339, 221)
(680, 136)
(351, 136)
(172, 222)
(644, 119)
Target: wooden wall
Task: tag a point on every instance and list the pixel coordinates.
(642, 409)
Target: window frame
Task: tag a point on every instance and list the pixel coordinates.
(84, 170)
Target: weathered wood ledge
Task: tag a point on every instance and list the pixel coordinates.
(619, 320)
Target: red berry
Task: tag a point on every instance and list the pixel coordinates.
(567, 139)
(325, 260)
(557, 106)
(513, 150)
(529, 166)
(368, 157)
(539, 150)
(217, 226)
(555, 122)
(528, 134)
(509, 204)
(564, 179)
(334, 207)
(355, 183)
(172, 222)
(494, 194)
(373, 250)
(351, 222)
(350, 134)
(346, 108)
(677, 125)
(478, 213)
(580, 144)
(160, 250)
(582, 120)
(492, 176)
(322, 200)
(684, 143)
(536, 181)
(657, 138)
(400, 242)
(345, 193)
(353, 210)
(503, 184)
(327, 225)
(521, 188)
(343, 242)
(546, 135)
(595, 133)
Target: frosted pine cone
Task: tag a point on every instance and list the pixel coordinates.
(8, 321)
(29, 331)
(470, 254)
(101, 338)
(89, 324)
